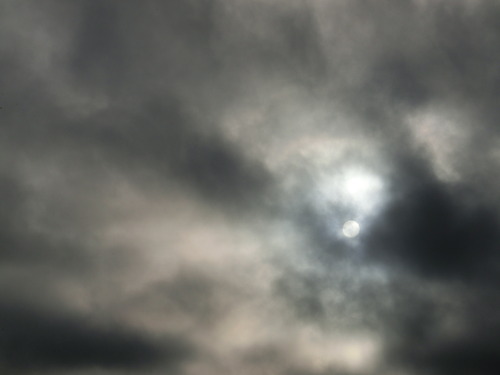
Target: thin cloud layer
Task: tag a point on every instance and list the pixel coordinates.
(175, 177)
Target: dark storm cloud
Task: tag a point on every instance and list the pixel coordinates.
(468, 355)
(436, 229)
(464, 357)
(40, 340)
(442, 334)
(440, 240)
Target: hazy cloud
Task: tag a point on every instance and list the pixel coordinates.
(175, 176)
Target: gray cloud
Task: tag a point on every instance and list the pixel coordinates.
(174, 177)
(35, 340)
(437, 229)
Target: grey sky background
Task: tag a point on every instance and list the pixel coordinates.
(174, 177)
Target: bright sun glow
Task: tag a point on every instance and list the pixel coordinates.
(355, 187)
(361, 187)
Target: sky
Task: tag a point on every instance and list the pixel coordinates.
(176, 178)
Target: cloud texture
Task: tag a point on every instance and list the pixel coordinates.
(175, 175)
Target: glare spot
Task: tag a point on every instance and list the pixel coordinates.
(350, 229)
(362, 188)
(354, 187)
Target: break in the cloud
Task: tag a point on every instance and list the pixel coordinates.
(175, 177)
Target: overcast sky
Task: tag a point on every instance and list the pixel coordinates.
(175, 177)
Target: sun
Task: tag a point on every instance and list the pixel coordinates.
(346, 180)
(351, 229)
(351, 198)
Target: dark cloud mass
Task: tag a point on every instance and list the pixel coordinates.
(32, 339)
(438, 230)
(175, 177)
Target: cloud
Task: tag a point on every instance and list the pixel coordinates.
(436, 229)
(438, 328)
(174, 177)
(43, 341)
